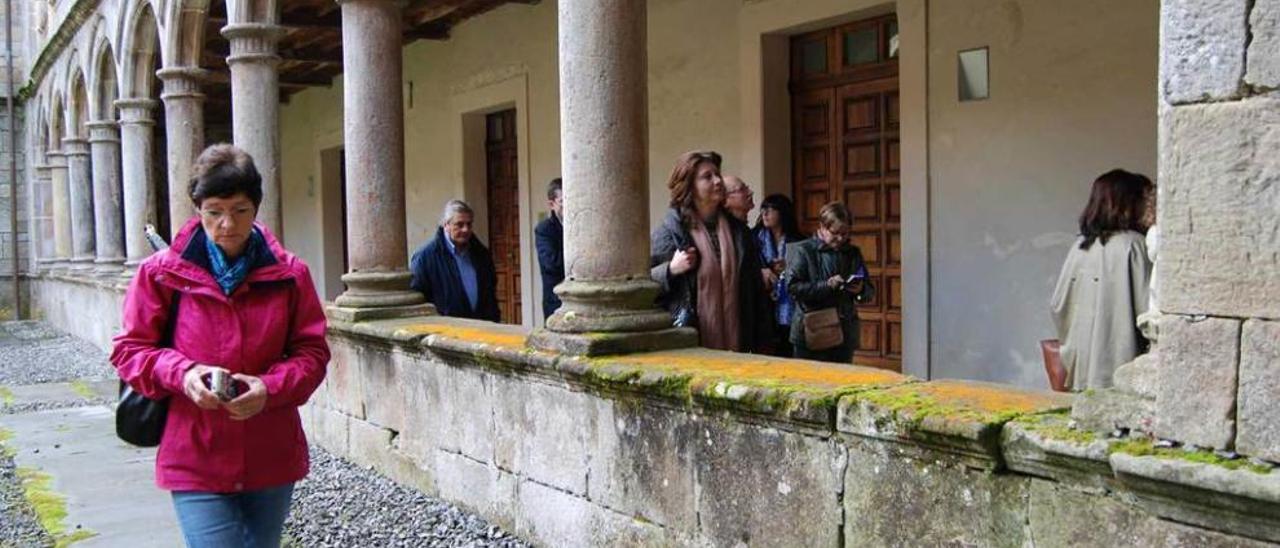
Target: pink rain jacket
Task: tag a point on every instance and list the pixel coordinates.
(272, 326)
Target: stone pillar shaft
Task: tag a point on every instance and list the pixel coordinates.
(40, 188)
(61, 205)
(373, 130)
(137, 139)
(255, 108)
(104, 146)
(80, 193)
(604, 122)
(184, 136)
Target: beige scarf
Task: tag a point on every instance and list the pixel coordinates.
(717, 288)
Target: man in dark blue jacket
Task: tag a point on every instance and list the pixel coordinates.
(454, 270)
(549, 239)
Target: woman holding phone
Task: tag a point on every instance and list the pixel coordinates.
(707, 263)
(826, 275)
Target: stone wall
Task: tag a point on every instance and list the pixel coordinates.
(1219, 198)
(697, 447)
(85, 306)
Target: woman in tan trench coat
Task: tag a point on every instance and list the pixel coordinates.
(1104, 282)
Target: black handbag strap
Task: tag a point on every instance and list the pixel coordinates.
(166, 338)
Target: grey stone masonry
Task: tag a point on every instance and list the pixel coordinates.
(1202, 49)
(1259, 416)
(1196, 394)
(1264, 28)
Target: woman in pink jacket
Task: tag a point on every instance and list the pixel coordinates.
(232, 300)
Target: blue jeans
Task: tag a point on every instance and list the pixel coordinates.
(217, 520)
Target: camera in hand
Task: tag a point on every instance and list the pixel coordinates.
(222, 385)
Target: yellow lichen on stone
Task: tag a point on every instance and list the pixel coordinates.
(965, 401)
(480, 335)
(759, 370)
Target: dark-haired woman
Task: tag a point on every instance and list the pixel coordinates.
(226, 299)
(706, 261)
(1104, 282)
(774, 231)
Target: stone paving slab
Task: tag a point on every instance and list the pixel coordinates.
(109, 485)
(78, 391)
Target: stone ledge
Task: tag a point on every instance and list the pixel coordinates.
(1046, 446)
(962, 418)
(1238, 501)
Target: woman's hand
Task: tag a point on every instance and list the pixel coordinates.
(835, 282)
(855, 287)
(194, 388)
(249, 403)
(770, 278)
(683, 261)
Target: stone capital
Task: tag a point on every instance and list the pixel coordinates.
(253, 42)
(75, 146)
(136, 111)
(57, 159)
(103, 131)
(182, 82)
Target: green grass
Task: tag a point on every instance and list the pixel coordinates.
(6, 395)
(49, 506)
(83, 389)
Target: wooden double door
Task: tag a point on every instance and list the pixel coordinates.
(845, 127)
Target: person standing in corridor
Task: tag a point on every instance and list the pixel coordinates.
(549, 239)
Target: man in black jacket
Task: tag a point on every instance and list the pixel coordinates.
(549, 239)
(454, 270)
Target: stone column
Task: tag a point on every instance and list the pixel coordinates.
(255, 106)
(184, 136)
(373, 130)
(136, 148)
(607, 294)
(104, 146)
(1219, 372)
(61, 208)
(80, 192)
(43, 180)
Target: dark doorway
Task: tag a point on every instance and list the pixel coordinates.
(504, 209)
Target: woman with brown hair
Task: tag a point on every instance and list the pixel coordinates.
(706, 261)
(826, 275)
(1104, 282)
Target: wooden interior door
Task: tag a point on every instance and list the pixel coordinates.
(504, 209)
(845, 128)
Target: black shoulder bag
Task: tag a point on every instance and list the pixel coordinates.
(140, 420)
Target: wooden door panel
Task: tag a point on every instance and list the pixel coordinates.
(861, 160)
(864, 203)
(869, 243)
(504, 211)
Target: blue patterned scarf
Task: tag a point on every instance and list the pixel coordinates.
(230, 276)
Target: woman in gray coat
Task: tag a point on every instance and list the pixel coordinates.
(827, 271)
(1104, 282)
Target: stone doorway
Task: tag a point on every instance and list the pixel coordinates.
(846, 147)
(503, 184)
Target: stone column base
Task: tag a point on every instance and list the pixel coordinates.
(378, 290)
(81, 264)
(108, 267)
(603, 344)
(356, 315)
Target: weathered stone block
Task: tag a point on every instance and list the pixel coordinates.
(894, 499)
(1046, 446)
(1258, 423)
(1241, 501)
(477, 486)
(1062, 516)
(330, 430)
(551, 517)
(541, 432)
(1220, 247)
(642, 463)
(1109, 408)
(464, 419)
(1202, 49)
(345, 377)
(1197, 393)
(1264, 46)
(740, 504)
(382, 398)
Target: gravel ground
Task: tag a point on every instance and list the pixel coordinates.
(33, 352)
(18, 525)
(341, 504)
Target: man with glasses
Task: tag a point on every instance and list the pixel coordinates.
(739, 200)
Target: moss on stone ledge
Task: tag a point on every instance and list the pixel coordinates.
(958, 401)
(1055, 426)
(1143, 447)
(50, 507)
(470, 334)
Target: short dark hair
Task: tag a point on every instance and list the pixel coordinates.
(222, 171)
(786, 213)
(555, 186)
(1117, 203)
